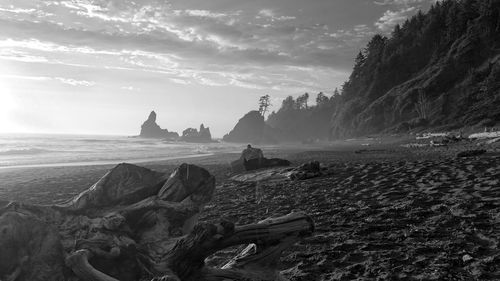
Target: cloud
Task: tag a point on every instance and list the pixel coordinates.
(390, 18)
(180, 81)
(130, 88)
(202, 45)
(400, 2)
(355, 34)
(74, 82)
(271, 15)
(63, 80)
(18, 10)
(206, 14)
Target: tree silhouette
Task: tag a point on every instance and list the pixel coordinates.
(321, 99)
(264, 103)
(301, 101)
(288, 103)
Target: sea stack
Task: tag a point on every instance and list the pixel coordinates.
(193, 135)
(150, 129)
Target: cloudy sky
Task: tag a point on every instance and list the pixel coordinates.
(100, 66)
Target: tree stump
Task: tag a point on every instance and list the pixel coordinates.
(137, 224)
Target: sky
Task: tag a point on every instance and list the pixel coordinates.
(100, 66)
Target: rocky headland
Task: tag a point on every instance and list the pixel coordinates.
(252, 128)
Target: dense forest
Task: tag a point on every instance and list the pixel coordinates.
(296, 120)
(439, 69)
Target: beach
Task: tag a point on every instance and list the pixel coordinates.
(385, 212)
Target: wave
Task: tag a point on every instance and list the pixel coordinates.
(26, 151)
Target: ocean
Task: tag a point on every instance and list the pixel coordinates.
(36, 150)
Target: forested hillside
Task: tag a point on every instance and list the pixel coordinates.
(296, 120)
(440, 70)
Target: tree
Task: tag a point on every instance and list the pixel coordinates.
(422, 106)
(375, 47)
(359, 61)
(288, 103)
(301, 101)
(321, 99)
(397, 33)
(264, 103)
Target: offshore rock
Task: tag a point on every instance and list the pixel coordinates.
(150, 129)
(193, 135)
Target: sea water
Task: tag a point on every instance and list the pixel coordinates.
(30, 150)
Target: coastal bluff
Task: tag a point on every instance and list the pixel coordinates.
(252, 128)
(150, 129)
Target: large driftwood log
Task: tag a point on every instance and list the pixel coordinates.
(137, 224)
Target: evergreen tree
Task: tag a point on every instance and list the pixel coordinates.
(288, 103)
(321, 99)
(264, 103)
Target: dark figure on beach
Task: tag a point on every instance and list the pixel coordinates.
(253, 159)
(252, 153)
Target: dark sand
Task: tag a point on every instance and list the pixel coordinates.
(387, 213)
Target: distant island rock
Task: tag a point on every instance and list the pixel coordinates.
(252, 128)
(193, 135)
(150, 129)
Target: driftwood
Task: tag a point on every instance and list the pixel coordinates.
(137, 224)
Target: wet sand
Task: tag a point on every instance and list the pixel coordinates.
(386, 212)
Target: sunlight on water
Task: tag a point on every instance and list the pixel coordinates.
(27, 149)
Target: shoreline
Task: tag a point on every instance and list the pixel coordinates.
(105, 162)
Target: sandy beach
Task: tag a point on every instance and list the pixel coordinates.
(385, 213)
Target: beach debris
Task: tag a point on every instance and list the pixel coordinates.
(137, 224)
(415, 145)
(432, 135)
(440, 139)
(253, 159)
(471, 153)
(485, 135)
(495, 140)
(360, 151)
(306, 171)
(467, 258)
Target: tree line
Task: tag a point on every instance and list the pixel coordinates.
(388, 61)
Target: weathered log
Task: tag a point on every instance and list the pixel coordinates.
(136, 224)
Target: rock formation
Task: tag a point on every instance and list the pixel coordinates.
(150, 129)
(193, 135)
(137, 224)
(251, 128)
